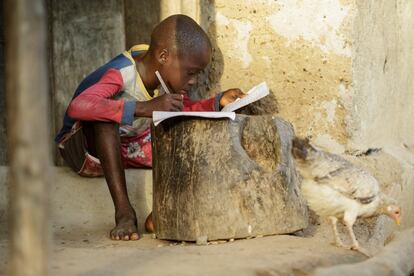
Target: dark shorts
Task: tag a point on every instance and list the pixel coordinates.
(136, 152)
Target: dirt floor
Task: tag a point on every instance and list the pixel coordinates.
(92, 253)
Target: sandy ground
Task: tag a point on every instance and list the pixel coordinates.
(76, 253)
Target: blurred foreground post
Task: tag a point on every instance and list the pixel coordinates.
(28, 130)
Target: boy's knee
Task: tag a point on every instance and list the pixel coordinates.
(99, 130)
(101, 126)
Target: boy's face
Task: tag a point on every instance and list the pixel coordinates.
(180, 72)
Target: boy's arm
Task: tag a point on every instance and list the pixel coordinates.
(95, 103)
(213, 104)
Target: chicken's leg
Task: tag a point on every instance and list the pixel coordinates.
(349, 222)
(338, 241)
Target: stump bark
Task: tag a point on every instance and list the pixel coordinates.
(225, 179)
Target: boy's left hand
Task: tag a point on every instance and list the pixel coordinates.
(230, 96)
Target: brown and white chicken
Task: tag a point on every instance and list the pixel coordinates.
(336, 189)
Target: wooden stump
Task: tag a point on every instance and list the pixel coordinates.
(225, 179)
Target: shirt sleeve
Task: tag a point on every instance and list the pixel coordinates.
(212, 104)
(96, 104)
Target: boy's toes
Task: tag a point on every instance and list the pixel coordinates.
(125, 229)
(117, 234)
(125, 235)
(131, 235)
(115, 237)
(134, 237)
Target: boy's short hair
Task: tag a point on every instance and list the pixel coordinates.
(182, 33)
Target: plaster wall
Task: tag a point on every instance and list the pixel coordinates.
(338, 70)
(381, 112)
(138, 28)
(302, 48)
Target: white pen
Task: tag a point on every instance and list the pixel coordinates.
(162, 82)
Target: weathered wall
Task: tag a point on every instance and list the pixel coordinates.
(3, 147)
(383, 62)
(338, 70)
(187, 7)
(140, 18)
(84, 35)
(301, 48)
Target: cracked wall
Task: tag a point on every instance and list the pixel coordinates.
(301, 48)
(381, 112)
(338, 70)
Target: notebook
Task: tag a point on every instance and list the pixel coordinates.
(256, 93)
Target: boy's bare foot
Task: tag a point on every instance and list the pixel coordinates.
(149, 225)
(126, 227)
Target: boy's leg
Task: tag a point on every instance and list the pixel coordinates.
(104, 142)
(137, 151)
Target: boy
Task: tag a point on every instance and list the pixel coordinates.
(106, 128)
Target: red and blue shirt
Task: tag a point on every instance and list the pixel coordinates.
(109, 94)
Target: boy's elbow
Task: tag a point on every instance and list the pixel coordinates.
(76, 109)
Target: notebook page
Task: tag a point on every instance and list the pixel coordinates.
(256, 93)
(159, 116)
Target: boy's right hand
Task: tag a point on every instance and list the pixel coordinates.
(166, 102)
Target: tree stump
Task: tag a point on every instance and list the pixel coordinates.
(224, 179)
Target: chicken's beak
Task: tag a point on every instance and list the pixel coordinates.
(397, 221)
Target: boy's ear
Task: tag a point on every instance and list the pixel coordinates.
(163, 56)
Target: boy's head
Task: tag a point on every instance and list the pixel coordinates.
(181, 49)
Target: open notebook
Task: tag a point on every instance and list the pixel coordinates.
(256, 93)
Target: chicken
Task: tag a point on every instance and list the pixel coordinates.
(336, 189)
